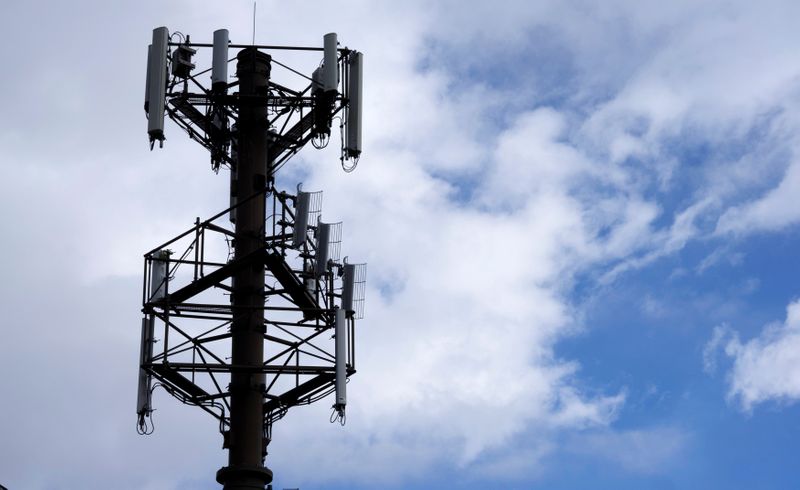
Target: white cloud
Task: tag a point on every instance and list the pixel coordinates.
(655, 244)
(765, 368)
(645, 451)
(521, 465)
(720, 255)
(711, 349)
(773, 211)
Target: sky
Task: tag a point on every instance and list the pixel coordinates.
(578, 218)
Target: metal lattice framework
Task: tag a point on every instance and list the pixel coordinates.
(210, 117)
(195, 312)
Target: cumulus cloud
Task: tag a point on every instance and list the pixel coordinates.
(765, 368)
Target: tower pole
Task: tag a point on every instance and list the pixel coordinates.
(245, 442)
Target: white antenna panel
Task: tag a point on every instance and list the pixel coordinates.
(354, 94)
(307, 208)
(330, 71)
(157, 85)
(329, 242)
(341, 359)
(145, 354)
(335, 242)
(354, 283)
(219, 63)
(300, 219)
(347, 287)
(158, 275)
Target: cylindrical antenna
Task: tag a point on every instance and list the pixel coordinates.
(157, 85)
(354, 94)
(219, 61)
(341, 359)
(330, 71)
(158, 287)
(316, 81)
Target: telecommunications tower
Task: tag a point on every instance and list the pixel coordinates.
(249, 318)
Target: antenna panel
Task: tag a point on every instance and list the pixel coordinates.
(219, 63)
(145, 354)
(354, 284)
(323, 240)
(329, 245)
(157, 85)
(329, 242)
(147, 81)
(341, 359)
(301, 219)
(330, 70)
(158, 275)
(306, 209)
(335, 242)
(354, 94)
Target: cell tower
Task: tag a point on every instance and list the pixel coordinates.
(248, 319)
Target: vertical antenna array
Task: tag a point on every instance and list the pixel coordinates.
(242, 309)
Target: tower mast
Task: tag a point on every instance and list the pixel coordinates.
(246, 444)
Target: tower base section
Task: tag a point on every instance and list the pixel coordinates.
(244, 477)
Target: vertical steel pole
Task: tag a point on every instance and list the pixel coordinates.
(245, 443)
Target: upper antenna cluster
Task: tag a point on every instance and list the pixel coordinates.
(210, 113)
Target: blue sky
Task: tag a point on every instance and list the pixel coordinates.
(579, 218)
